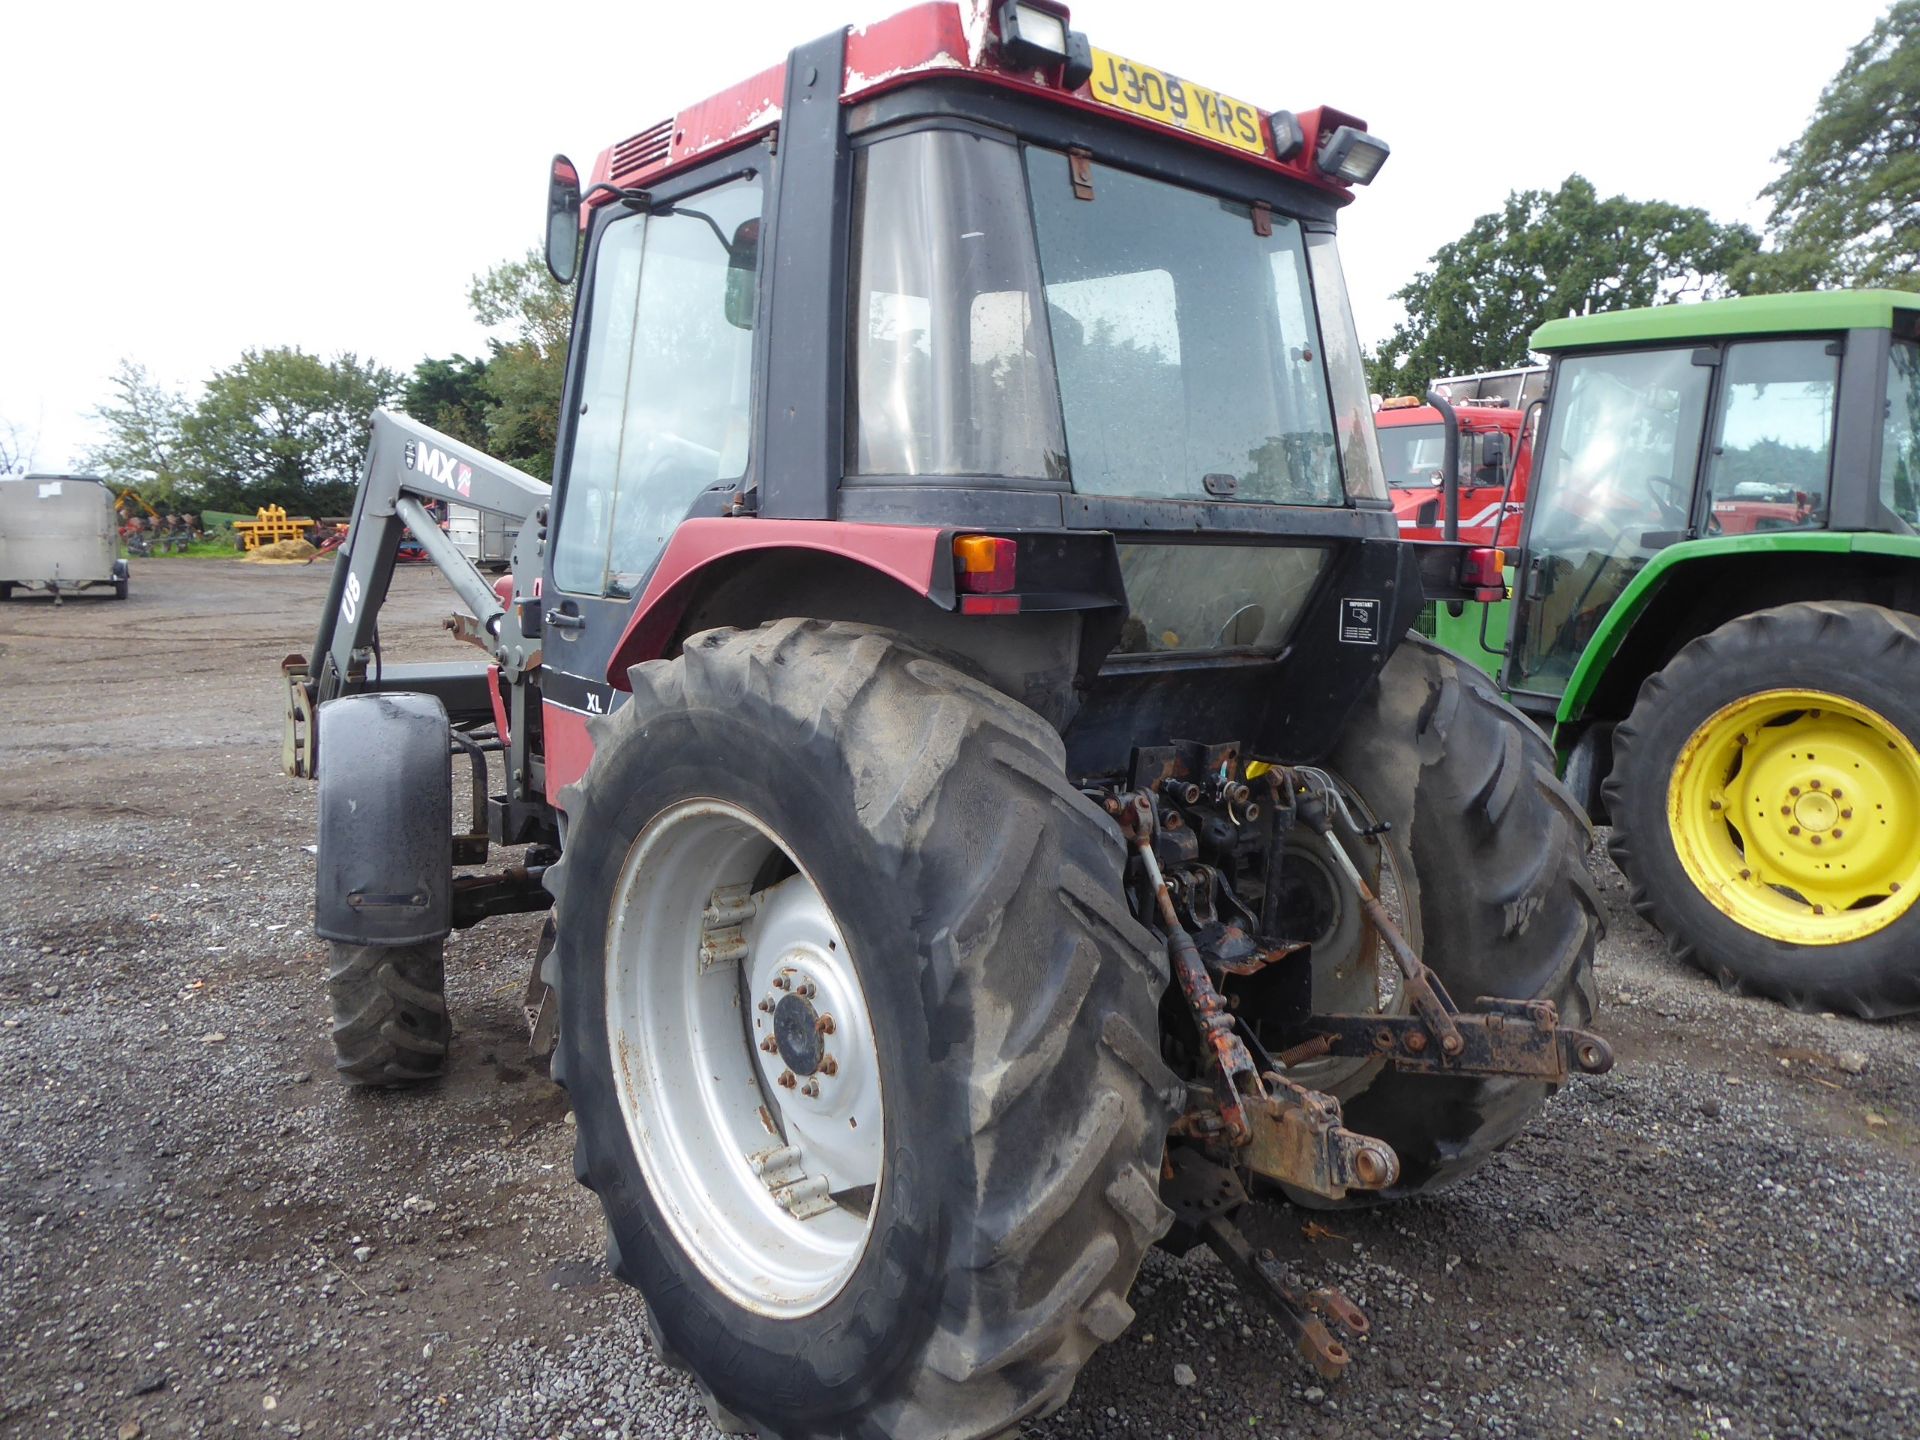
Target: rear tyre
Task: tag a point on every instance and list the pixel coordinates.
(6, 589)
(120, 589)
(390, 1024)
(914, 864)
(1765, 796)
(1489, 852)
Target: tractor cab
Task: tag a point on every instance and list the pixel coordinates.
(1720, 422)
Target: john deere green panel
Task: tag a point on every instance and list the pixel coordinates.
(1640, 591)
(1462, 633)
(1711, 319)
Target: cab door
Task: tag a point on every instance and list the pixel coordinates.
(1613, 483)
(656, 425)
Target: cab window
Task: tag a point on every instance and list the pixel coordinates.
(1767, 468)
(666, 386)
(1900, 446)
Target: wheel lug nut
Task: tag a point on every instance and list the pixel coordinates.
(1793, 829)
(1819, 909)
(779, 982)
(824, 1025)
(1816, 839)
(765, 1007)
(811, 1089)
(1838, 833)
(786, 1080)
(1713, 804)
(1793, 790)
(769, 1045)
(1846, 814)
(1746, 874)
(829, 1066)
(1786, 809)
(804, 990)
(1814, 783)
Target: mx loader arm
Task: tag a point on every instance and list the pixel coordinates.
(408, 465)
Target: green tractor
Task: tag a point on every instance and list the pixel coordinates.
(1716, 615)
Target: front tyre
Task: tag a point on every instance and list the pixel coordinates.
(1765, 796)
(859, 1036)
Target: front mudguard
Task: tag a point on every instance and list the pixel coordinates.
(385, 848)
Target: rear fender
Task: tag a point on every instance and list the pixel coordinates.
(910, 555)
(384, 861)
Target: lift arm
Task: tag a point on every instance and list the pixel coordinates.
(408, 464)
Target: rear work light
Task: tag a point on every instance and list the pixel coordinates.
(1352, 156)
(983, 574)
(1032, 38)
(1484, 572)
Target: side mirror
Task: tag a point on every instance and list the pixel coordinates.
(743, 271)
(1493, 452)
(563, 220)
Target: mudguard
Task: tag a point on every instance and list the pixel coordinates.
(385, 853)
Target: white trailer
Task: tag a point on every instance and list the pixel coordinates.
(59, 534)
(485, 539)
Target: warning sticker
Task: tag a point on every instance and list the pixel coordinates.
(1359, 622)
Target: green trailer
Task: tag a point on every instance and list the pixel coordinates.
(1716, 615)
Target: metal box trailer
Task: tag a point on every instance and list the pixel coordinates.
(58, 534)
(483, 537)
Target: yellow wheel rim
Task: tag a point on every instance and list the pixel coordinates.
(1797, 813)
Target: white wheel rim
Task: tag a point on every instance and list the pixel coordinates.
(744, 1057)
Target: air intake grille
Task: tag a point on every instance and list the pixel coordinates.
(642, 151)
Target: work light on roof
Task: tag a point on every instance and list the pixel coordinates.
(1352, 156)
(1031, 37)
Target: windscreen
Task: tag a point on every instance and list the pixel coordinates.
(1187, 345)
(1414, 455)
(1149, 342)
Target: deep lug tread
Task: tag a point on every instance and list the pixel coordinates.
(908, 723)
(1831, 644)
(390, 1023)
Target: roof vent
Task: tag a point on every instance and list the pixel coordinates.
(642, 151)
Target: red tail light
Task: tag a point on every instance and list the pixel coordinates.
(1484, 571)
(983, 565)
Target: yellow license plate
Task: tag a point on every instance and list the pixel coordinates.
(1142, 90)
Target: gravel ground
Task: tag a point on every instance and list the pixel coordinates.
(202, 1233)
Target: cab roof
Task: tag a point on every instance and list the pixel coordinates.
(1749, 315)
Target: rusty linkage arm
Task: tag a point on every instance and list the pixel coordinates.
(1204, 1198)
(1501, 1037)
(1236, 1076)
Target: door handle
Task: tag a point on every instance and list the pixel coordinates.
(561, 620)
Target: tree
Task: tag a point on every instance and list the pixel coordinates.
(1544, 255)
(1846, 210)
(525, 373)
(16, 449)
(283, 427)
(142, 450)
(451, 396)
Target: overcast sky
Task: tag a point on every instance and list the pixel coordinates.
(179, 181)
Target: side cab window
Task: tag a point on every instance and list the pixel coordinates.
(1773, 443)
(665, 396)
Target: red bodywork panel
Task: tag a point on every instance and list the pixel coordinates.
(569, 749)
(904, 553)
(947, 37)
(1481, 519)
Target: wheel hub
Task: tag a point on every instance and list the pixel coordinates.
(796, 1035)
(762, 1142)
(1794, 812)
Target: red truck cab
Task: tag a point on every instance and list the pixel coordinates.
(1495, 414)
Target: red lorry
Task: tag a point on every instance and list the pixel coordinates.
(1494, 412)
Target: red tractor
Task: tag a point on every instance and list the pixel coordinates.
(956, 699)
(1493, 417)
